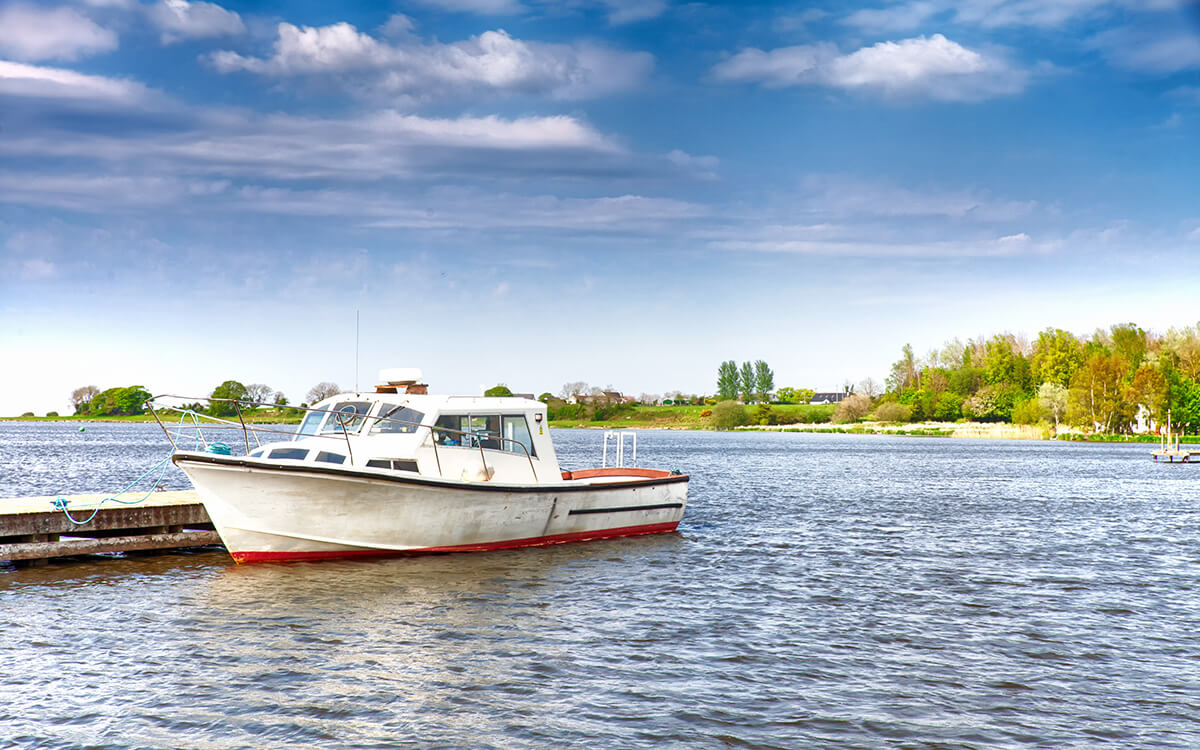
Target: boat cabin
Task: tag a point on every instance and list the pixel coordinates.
(463, 438)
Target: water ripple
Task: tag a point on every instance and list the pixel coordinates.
(824, 591)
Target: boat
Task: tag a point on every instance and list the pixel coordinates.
(398, 471)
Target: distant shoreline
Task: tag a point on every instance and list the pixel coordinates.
(958, 430)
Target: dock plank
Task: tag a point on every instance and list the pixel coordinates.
(31, 528)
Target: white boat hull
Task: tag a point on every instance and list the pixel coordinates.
(266, 511)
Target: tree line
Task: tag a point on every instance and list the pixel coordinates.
(90, 401)
(1097, 383)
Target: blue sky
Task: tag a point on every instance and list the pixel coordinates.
(624, 193)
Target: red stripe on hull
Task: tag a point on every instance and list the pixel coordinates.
(247, 556)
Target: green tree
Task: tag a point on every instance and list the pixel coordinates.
(1052, 401)
(728, 381)
(789, 395)
(1097, 396)
(729, 414)
(1129, 342)
(1057, 355)
(904, 374)
(746, 382)
(498, 390)
(764, 381)
(120, 401)
(230, 389)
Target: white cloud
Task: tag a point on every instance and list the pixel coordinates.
(844, 198)
(384, 146)
(629, 11)
(702, 166)
(180, 19)
(492, 60)
(933, 67)
(1157, 51)
(481, 7)
(619, 11)
(18, 79)
(1194, 235)
(37, 269)
(1186, 94)
(34, 34)
(909, 16)
(898, 17)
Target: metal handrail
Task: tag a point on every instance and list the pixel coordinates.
(342, 418)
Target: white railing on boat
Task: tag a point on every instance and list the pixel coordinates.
(619, 456)
(343, 419)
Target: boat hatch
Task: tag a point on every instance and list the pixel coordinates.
(396, 464)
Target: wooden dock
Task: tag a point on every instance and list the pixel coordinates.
(1176, 455)
(32, 530)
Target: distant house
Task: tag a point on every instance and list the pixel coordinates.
(828, 398)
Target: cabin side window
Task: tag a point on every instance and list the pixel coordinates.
(516, 429)
(453, 426)
(489, 431)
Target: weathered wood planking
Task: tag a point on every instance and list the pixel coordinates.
(31, 528)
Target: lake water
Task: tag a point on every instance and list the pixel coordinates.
(823, 591)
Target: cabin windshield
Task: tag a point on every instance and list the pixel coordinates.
(396, 420)
(348, 417)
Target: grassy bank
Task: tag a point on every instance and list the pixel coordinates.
(695, 417)
(266, 416)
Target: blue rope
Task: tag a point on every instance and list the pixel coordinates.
(61, 503)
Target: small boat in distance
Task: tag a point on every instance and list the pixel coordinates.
(397, 471)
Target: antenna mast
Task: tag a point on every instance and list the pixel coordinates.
(356, 350)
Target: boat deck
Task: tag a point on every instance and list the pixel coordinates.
(33, 530)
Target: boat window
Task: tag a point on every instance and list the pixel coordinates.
(397, 464)
(257, 452)
(455, 425)
(486, 430)
(516, 429)
(351, 414)
(331, 458)
(311, 421)
(297, 454)
(399, 420)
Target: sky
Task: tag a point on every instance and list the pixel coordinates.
(620, 192)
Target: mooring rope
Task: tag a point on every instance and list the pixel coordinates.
(61, 503)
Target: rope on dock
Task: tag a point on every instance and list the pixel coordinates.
(61, 503)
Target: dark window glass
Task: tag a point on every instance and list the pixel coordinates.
(297, 454)
(256, 452)
(455, 425)
(331, 458)
(351, 415)
(400, 420)
(486, 429)
(404, 464)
